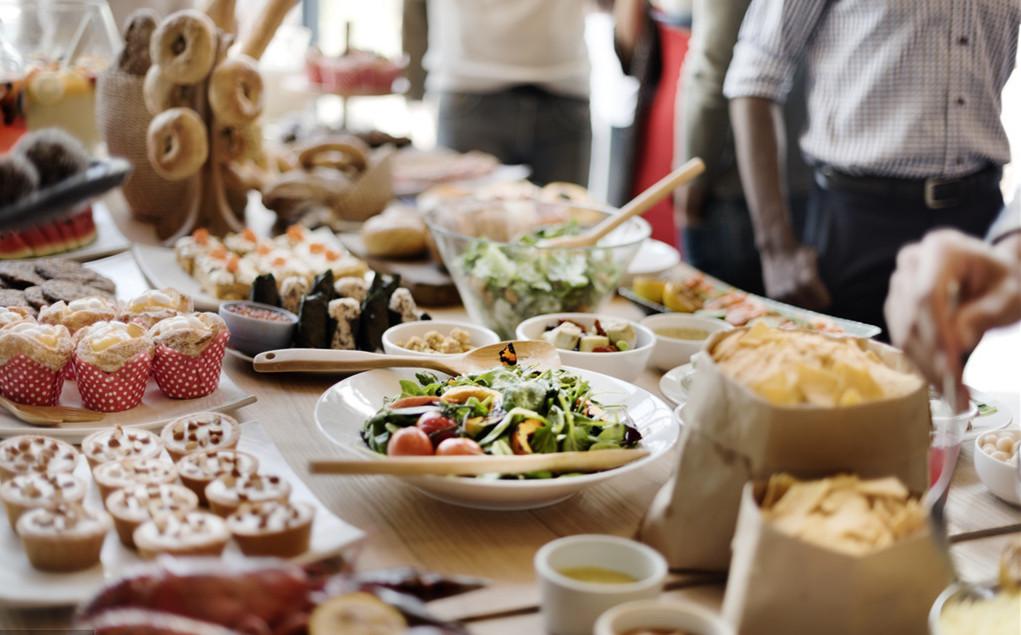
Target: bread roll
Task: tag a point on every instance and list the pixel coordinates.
(394, 234)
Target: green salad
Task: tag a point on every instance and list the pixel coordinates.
(516, 281)
(507, 410)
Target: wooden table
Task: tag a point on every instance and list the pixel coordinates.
(405, 527)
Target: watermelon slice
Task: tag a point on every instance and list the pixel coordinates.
(13, 246)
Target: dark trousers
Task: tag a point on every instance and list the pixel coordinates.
(522, 125)
(858, 236)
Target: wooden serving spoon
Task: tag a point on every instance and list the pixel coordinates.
(48, 416)
(321, 360)
(638, 205)
(482, 464)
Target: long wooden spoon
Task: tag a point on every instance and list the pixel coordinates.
(321, 360)
(638, 205)
(596, 461)
(48, 416)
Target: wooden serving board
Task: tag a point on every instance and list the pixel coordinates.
(430, 286)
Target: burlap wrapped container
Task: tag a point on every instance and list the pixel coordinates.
(780, 585)
(123, 122)
(733, 436)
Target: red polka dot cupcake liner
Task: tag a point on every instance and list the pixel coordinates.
(26, 381)
(182, 376)
(116, 391)
(68, 372)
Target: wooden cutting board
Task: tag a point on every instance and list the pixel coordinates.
(430, 286)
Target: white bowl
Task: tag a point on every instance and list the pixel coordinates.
(571, 607)
(999, 477)
(343, 408)
(661, 615)
(393, 336)
(626, 365)
(671, 352)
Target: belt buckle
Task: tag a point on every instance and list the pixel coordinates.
(935, 198)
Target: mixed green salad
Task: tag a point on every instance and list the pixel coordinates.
(506, 410)
(516, 281)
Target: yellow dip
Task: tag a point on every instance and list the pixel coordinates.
(682, 333)
(998, 615)
(596, 575)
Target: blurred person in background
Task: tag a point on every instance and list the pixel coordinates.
(904, 132)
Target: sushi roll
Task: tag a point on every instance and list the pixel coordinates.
(344, 312)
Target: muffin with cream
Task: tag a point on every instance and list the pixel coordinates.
(199, 469)
(26, 492)
(127, 473)
(63, 537)
(32, 361)
(112, 364)
(189, 354)
(155, 305)
(279, 529)
(130, 507)
(190, 533)
(77, 314)
(14, 314)
(36, 454)
(118, 443)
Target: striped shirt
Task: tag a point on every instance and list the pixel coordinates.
(899, 88)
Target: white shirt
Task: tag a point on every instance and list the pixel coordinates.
(488, 45)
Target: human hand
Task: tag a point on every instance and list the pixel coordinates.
(947, 291)
(792, 275)
(689, 204)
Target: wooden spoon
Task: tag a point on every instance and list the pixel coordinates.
(48, 416)
(483, 464)
(638, 205)
(321, 360)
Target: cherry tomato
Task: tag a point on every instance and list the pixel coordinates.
(409, 442)
(436, 426)
(453, 447)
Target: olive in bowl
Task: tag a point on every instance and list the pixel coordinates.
(256, 328)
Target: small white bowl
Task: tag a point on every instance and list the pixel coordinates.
(395, 335)
(999, 477)
(661, 615)
(571, 607)
(671, 352)
(626, 365)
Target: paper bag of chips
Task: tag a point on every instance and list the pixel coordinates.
(838, 556)
(764, 401)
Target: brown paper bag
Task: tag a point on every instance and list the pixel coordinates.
(732, 436)
(779, 584)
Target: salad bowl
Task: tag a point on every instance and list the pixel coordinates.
(343, 408)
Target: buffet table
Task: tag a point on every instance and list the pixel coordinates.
(404, 527)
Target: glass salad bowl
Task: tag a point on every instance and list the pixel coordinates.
(490, 248)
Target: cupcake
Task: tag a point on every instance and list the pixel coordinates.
(199, 469)
(155, 305)
(189, 354)
(26, 492)
(126, 473)
(63, 537)
(15, 314)
(273, 528)
(230, 491)
(112, 363)
(135, 505)
(117, 443)
(200, 432)
(77, 314)
(193, 533)
(32, 361)
(35, 454)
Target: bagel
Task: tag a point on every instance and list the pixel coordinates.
(184, 45)
(177, 144)
(159, 93)
(235, 91)
(238, 143)
(347, 154)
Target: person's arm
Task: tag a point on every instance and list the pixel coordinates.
(628, 22)
(702, 117)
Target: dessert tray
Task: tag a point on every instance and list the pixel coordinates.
(22, 586)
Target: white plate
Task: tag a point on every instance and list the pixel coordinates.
(654, 258)
(21, 586)
(155, 410)
(993, 421)
(676, 382)
(342, 409)
(124, 271)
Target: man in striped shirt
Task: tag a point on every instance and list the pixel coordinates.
(904, 132)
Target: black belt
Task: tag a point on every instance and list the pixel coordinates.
(934, 192)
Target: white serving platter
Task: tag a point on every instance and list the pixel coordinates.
(123, 270)
(654, 258)
(109, 239)
(341, 410)
(676, 382)
(21, 586)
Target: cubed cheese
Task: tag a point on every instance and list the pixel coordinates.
(564, 337)
(621, 332)
(590, 343)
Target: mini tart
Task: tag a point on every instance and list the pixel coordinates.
(133, 506)
(230, 491)
(63, 537)
(117, 443)
(110, 345)
(77, 314)
(155, 305)
(188, 334)
(125, 473)
(273, 528)
(36, 454)
(200, 432)
(26, 492)
(193, 533)
(199, 469)
(46, 344)
(15, 314)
